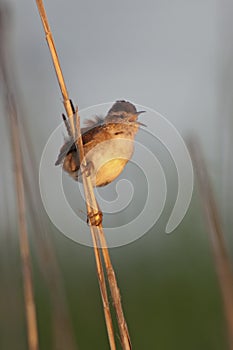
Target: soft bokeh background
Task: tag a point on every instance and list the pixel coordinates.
(174, 57)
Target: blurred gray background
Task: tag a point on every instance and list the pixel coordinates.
(174, 57)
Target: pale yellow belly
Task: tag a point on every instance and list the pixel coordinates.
(109, 159)
(109, 171)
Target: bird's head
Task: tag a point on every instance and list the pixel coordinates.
(123, 112)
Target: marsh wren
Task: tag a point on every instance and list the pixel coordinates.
(108, 144)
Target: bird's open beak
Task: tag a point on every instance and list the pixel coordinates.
(140, 112)
(137, 122)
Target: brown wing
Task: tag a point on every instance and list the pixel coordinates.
(67, 148)
(92, 136)
(93, 133)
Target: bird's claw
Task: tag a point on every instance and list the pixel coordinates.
(95, 219)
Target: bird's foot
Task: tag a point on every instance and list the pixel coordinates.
(88, 169)
(95, 219)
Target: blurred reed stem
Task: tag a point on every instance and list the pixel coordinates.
(13, 123)
(63, 336)
(214, 228)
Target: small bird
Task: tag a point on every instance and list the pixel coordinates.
(108, 144)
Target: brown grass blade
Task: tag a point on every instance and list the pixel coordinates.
(11, 112)
(62, 328)
(222, 262)
(11, 308)
(63, 334)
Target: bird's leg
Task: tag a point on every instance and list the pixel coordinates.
(88, 168)
(95, 219)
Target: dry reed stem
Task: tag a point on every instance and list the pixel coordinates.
(62, 328)
(92, 205)
(23, 237)
(63, 333)
(216, 235)
(99, 238)
(116, 297)
(69, 110)
(11, 111)
(10, 298)
(99, 266)
(57, 66)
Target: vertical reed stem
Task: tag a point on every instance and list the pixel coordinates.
(11, 111)
(23, 236)
(216, 235)
(91, 203)
(70, 112)
(99, 266)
